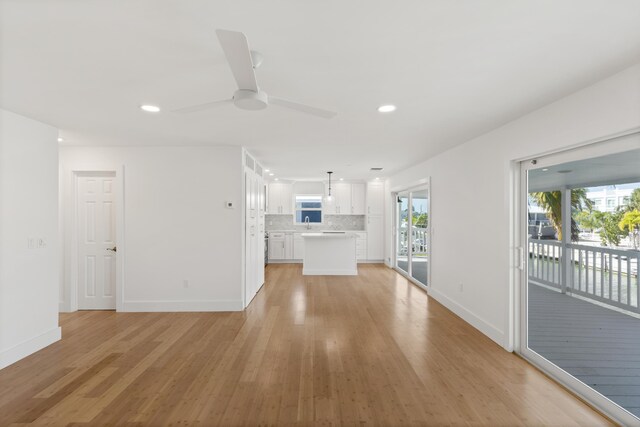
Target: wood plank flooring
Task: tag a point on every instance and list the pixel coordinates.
(370, 349)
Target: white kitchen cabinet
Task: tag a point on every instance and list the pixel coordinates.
(375, 237)
(342, 196)
(375, 198)
(254, 228)
(276, 246)
(361, 246)
(279, 198)
(347, 199)
(358, 204)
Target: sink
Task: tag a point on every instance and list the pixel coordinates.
(333, 232)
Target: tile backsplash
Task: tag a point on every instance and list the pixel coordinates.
(331, 222)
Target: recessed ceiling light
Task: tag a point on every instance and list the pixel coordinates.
(277, 179)
(60, 139)
(150, 108)
(341, 179)
(386, 108)
(565, 171)
(545, 169)
(270, 174)
(267, 170)
(377, 179)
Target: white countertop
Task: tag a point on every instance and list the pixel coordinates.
(331, 234)
(315, 231)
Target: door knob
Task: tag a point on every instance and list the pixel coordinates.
(113, 249)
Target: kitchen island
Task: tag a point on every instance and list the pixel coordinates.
(330, 254)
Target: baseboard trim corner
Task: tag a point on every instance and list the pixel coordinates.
(480, 324)
(182, 305)
(28, 347)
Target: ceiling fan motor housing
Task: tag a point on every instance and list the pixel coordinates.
(250, 100)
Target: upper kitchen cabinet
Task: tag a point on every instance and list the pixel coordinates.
(358, 199)
(375, 198)
(279, 199)
(347, 199)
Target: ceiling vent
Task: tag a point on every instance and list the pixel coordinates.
(376, 169)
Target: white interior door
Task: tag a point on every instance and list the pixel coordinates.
(96, 242)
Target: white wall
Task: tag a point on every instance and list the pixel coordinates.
(174, 225)
(29, 278)
(478, 175)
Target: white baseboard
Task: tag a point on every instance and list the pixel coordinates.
(311, 272)
(160, 306)
(24, 349)
(480, 324)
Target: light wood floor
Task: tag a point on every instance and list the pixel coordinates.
(365, 350)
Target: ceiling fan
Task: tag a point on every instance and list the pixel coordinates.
(249, 96)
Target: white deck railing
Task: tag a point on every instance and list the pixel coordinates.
(418, 241)
(602, 274)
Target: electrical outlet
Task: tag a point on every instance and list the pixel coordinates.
(31, 243)
(185, 284)
(460, 287)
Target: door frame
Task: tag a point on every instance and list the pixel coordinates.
(416, 186)
(72, 234)
(519, 333)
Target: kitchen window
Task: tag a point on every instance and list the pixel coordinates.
(308, 206)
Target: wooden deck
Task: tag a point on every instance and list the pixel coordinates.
(597, 345)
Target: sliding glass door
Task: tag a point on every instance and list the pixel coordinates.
(412, 234)
(402, 224)
(579, 253)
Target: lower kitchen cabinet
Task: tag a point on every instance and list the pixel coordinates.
(276, 246)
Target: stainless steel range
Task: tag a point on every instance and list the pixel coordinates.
(266, 248)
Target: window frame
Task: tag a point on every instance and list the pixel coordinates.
(296, 209)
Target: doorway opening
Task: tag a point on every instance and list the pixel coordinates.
(412, 232)
(580, 290)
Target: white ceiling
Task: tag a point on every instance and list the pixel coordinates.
(619, 168)
(455, 69)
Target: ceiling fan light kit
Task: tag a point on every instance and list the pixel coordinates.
(250, 100)
(243, 63)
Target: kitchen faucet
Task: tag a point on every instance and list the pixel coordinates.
(306, 221)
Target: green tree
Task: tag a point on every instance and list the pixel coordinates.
(631, 223)
(421, 220)
(589, 220)
(551, 202)
(634, 200)
(611, 234)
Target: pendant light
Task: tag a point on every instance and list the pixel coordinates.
(329, 194)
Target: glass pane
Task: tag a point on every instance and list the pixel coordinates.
(308, 202)
(402, 232)
(314, 216)
(582, 291)
(419, 236)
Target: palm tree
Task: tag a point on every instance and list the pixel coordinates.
(631, 221)
(551, 202)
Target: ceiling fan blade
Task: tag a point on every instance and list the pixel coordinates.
(236, 49)
(302, 108)
(205, 106)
